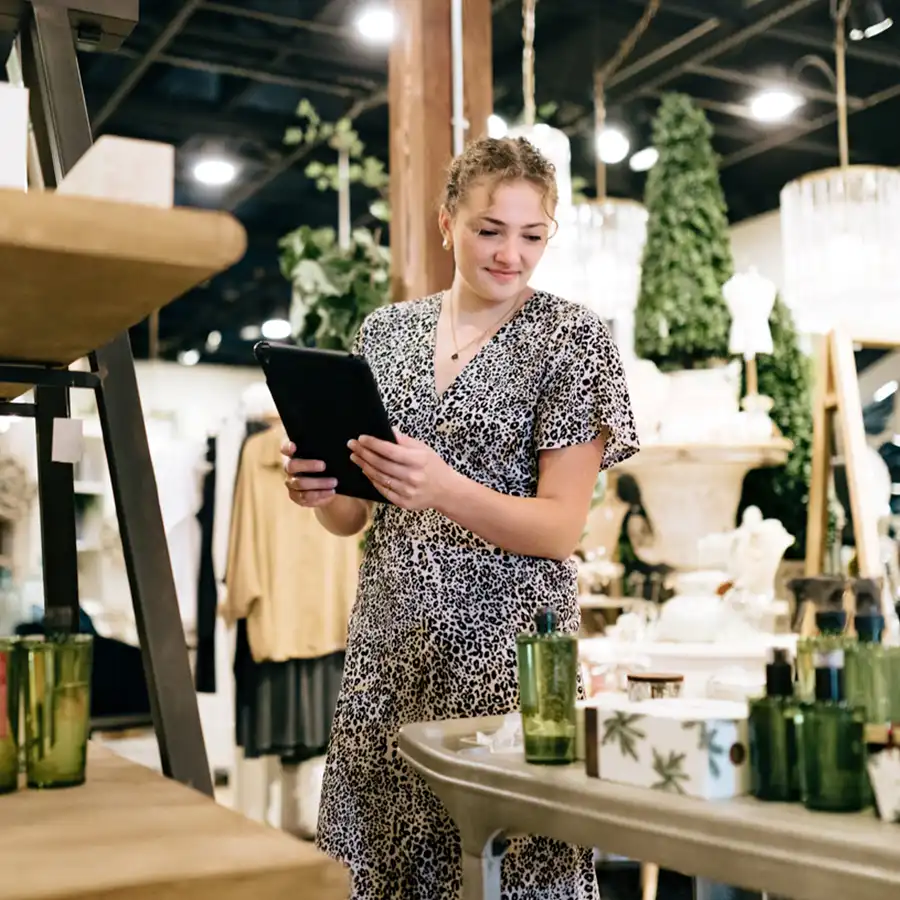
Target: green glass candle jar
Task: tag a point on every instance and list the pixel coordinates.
(10, 709)
(57, 695)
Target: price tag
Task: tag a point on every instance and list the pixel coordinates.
(884, 774)
(68, 441)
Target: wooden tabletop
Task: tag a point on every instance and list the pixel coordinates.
(77, 271)
(130, 834)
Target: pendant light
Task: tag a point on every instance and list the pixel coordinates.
(554, 272)
(839, 227)
(867, 19)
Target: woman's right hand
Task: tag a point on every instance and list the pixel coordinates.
(304, 486)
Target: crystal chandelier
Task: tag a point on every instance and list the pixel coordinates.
(839, 235)
(609, 240)
(839, 228)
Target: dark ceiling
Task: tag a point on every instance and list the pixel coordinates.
(228, 76)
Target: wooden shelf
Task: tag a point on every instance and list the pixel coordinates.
(77, 271)
(130, 834)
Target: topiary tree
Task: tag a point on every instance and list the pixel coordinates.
(785, 375)
(681, 320)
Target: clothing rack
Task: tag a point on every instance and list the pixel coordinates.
(52, 245)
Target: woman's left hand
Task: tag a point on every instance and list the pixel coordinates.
(409, 473)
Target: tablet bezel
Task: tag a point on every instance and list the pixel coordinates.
(286, 367)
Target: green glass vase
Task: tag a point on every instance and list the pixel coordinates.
(774, 772)
(57, 675)
(831, 743)
(10, 709)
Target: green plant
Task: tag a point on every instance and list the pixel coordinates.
(334, 288)
(785, 375)
(682, 320)
(368, 171)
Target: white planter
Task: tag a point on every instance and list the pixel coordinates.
(692, 490)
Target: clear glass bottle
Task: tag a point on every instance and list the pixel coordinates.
(774, 771)
(548, 676)
(831, 742)
(830, 626)
(867, 670)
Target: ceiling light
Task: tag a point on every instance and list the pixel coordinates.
(612, 146)
(213, 341)
(496, 126)
(775, 104)
(215, 172)
(276, 329)
(868, 20)
(251, 333)
(189, 357)
(376, 24)
(644, 160)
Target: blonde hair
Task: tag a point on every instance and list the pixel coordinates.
(499, 161)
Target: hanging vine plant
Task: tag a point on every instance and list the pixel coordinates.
(335, 287)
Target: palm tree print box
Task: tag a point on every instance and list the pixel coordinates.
(693, 747)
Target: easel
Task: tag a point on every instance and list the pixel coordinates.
(837, 412)
(47, 33)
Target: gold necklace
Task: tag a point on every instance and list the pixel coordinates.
(484, 334)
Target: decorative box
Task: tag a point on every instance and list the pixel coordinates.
(695, 747)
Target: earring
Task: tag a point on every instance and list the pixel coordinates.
(446, 244)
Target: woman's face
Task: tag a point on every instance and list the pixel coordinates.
(498, 237)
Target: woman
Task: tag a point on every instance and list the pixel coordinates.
(507, 402)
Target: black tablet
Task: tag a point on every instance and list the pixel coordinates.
(326, 398)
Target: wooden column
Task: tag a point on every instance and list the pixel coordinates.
(421, 114)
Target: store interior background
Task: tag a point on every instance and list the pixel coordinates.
(223, 82)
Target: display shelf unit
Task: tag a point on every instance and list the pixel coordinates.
(79, 272)
(129, 834)
(775, 848)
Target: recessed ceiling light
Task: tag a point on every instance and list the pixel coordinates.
(215, 172)
(276, 329)
(612, 146)
(375, 24)
(644, 160)
(775, 104)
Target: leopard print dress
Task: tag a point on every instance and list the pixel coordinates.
(432, 635)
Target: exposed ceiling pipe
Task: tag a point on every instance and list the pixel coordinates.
(604, 74)
(760, 82)
(711, 52)
(803, 128)
(200, 65)
(145, 60)
(243, 193)
(759, 26)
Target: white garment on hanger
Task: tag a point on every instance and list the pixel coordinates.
(179, 466)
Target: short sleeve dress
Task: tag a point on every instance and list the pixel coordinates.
(433, 632)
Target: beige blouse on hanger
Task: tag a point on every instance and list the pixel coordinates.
(293, 581)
